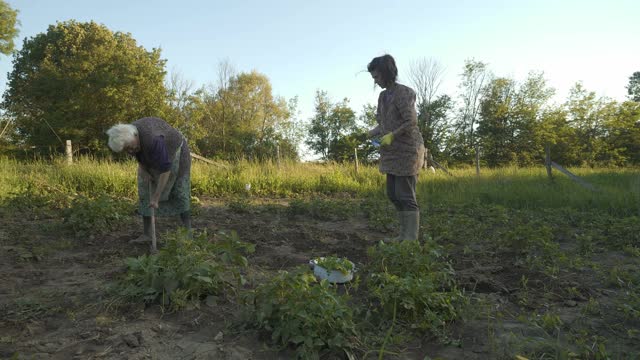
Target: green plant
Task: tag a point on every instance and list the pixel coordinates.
(38, 200)
(241, 205)
(186, 270)
(300, 311)
(380, 214)
(413, 282)
(335, 263)
(411, 258)
(550, 322)
(94, 216)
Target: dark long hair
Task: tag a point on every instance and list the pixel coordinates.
(386, 66)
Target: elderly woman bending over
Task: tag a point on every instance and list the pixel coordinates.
(164, 169)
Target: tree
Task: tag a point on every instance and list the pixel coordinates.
(8, 27)
(426, 76)
(330, 123)
(242, 118)
(496, 129)
(623, 134)
(78, 79)
(556, 131)
(433, 122)
(633, 89)
(531, 102)
(474, 78)
(184, 110)
(367, 117)
(587, 115)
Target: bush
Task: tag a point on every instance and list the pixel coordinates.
(186, 270)
(298, 310)
(411, 282)
(96, 216)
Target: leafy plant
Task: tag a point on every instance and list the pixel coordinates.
(335, 263)
(412, 282)
(381, 216)
(38, 200)
(186, 270)
(240, 205)
(300, 311)
(87, 216)
(410, 258)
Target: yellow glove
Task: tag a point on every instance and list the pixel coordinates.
(387, 139)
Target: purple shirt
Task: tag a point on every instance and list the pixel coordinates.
(155, 156)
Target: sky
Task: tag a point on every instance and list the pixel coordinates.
(305, 46)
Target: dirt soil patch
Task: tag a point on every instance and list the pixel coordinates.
(54, 302)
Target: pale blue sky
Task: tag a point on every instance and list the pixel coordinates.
(303, 46)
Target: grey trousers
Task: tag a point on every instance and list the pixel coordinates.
(401, 190)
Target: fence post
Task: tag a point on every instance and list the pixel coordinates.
(278, 155)
(426, 158)
(355, 153)
(68, 152)
(547, 160)
(477, 160)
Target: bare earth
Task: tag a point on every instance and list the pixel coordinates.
(54, 302)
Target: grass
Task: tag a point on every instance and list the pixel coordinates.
(519, 188)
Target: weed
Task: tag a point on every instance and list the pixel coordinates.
(96, 216)
(186, 270)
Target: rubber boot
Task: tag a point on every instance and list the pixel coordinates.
(401, 221)
(411, 225)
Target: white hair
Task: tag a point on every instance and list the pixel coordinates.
(120, 135)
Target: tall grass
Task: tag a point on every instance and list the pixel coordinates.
(618, 190)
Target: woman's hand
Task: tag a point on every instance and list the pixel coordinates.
(153, 202)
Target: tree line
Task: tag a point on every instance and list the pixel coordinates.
(77, 79)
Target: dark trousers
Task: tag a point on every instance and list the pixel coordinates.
(401, 190)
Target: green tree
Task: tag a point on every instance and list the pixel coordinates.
(475, 76)
(185, 110)
(556, 131)
(367, 118)
(330, 123)
(8, 27)
(633, 89)
(622, 137)
(531, 102)
(242, 118)
(78, 79)
(587, 115)
(496, 130)
(433, 122)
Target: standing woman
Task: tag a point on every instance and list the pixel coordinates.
(401, 145)
(164, 169)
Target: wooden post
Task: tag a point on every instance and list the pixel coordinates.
(278, 155)
(573, 177)
(477, 160)
(426, 158)
(355, 153)
(547, 161)
(68, 152)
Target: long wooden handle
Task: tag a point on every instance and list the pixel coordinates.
(154, 247)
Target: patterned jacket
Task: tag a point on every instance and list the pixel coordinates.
(397, 114)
